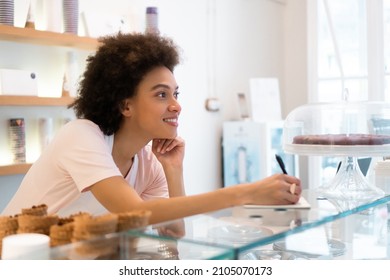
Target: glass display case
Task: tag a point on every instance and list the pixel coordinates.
(265, 232)
(341, 129)
(316, 229)
(362, 235)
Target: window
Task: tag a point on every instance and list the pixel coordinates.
(342, 51)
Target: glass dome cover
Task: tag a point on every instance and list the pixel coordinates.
(341, 129)
(338, 129)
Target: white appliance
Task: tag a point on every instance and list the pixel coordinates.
(248, 151)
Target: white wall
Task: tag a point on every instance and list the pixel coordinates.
(224, 43)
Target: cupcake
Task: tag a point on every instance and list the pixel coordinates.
(89, 236)
(61, 233)
(36, 224)
(8, 226)
(36, 210)
(86, 226)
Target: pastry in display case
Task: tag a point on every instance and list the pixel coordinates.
(346, 129)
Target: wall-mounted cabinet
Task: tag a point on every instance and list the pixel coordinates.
(27, 38)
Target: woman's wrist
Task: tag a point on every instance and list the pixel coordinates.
(245, 193)
(239, 194)
(175, 181)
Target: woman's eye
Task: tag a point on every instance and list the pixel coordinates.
(162, 94)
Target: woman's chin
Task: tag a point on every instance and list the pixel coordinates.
(166, 136)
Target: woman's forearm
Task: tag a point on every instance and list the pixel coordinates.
(179, 207)
(116, 196)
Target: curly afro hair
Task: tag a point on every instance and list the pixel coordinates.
(113, 73)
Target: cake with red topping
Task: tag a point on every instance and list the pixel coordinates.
(342, 139)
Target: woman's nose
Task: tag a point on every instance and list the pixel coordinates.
(174, 106)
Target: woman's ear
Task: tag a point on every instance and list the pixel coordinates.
(126, 108)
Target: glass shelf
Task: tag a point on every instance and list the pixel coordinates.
(133, 246)
(245, 229)
(363, 234)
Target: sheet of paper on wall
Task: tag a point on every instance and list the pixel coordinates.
(101, 24)
(265, 99)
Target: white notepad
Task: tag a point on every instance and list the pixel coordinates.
(301, 204)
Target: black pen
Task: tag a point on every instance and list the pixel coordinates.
(283, 167)
(281, 163)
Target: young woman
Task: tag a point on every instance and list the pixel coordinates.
(123, 152)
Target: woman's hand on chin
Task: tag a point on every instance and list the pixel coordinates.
(170, 152)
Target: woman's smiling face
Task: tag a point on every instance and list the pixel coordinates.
(155, 109)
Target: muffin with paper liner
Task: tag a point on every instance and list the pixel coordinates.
(89, 236)
(8, 226)
(87, 226)
(61, 233)
(36, 224)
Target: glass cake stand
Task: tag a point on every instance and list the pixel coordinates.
(349, 188)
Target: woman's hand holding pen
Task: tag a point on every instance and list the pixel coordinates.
(276, 190)
(282, 166)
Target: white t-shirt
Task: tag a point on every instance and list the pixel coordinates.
(79, 156)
